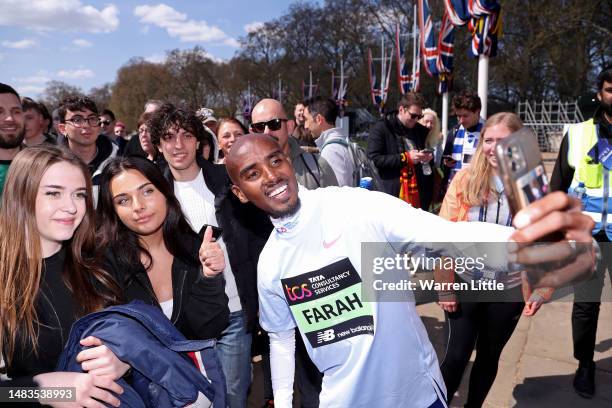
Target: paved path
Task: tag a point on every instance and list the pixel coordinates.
(536, 367)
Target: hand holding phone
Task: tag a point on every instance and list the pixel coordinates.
(541, 248)
(520, 167)
(449, 161)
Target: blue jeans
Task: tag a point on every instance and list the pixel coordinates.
(234, 351)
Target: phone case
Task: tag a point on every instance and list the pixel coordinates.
(520, 167)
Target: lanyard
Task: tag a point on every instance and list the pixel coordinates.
(606, 193)
(603, 150)
(482, 214)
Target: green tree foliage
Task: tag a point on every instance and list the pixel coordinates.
(550, 49)
(137, 82)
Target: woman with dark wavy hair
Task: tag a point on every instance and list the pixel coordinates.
(49, 277)
(153, 253)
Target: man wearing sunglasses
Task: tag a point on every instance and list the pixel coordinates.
(80, 125)
(397, 142)
(312, 172)
(107, 124)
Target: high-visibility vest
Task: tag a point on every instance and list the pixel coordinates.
(581, 138)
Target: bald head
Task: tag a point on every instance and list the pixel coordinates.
(268, 110)
(268, 107)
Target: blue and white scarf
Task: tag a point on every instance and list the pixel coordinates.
(464, 147)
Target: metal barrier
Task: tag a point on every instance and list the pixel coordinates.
(548, 120)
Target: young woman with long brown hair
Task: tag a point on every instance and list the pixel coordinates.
(49, 278)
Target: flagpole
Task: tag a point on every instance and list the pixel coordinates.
(383, 56)
(309, 82)
(341, 87)
(483, 83)
(415, 44)
(444, 115)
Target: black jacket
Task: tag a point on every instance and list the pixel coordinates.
(245, 232)
(199, 304)
(385, 144)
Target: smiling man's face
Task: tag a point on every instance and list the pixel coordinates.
(12, 128)
(263, 175)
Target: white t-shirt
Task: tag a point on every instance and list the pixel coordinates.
(198, 205)
(309, 276)
(167, 307)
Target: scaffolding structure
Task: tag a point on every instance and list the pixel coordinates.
(548, 120)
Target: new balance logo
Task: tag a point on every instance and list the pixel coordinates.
(327, 335)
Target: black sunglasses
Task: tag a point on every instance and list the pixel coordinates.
(416, 115)
(274, 124)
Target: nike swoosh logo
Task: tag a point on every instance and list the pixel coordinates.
(329, 244)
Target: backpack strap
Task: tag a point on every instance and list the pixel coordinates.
(316, 163)
(336, 141)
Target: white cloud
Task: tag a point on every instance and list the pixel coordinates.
(156, 58)
(214, 59)
(34, 79)
(2, 57)
(76, 74)
(19, 45)
(254, 26)
(81, 43)
(58, 15)
(178, 25)
(29, 90)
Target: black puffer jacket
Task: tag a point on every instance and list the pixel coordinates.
(245, 232)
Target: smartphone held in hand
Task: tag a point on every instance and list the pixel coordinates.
(521, 169)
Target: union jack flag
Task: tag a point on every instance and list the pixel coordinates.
(428, 41)
(339, 91)
(247, 105)
(485, 30)
(379, 91)
(416, 75)
(483, 7)
(374, 87)
(458, 11)
(311, 92)
(444, 63)
(404, 77)
(484, 22)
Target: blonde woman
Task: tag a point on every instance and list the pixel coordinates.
(48, 276)
(435, 137)
(435, 142)
(476, 194)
